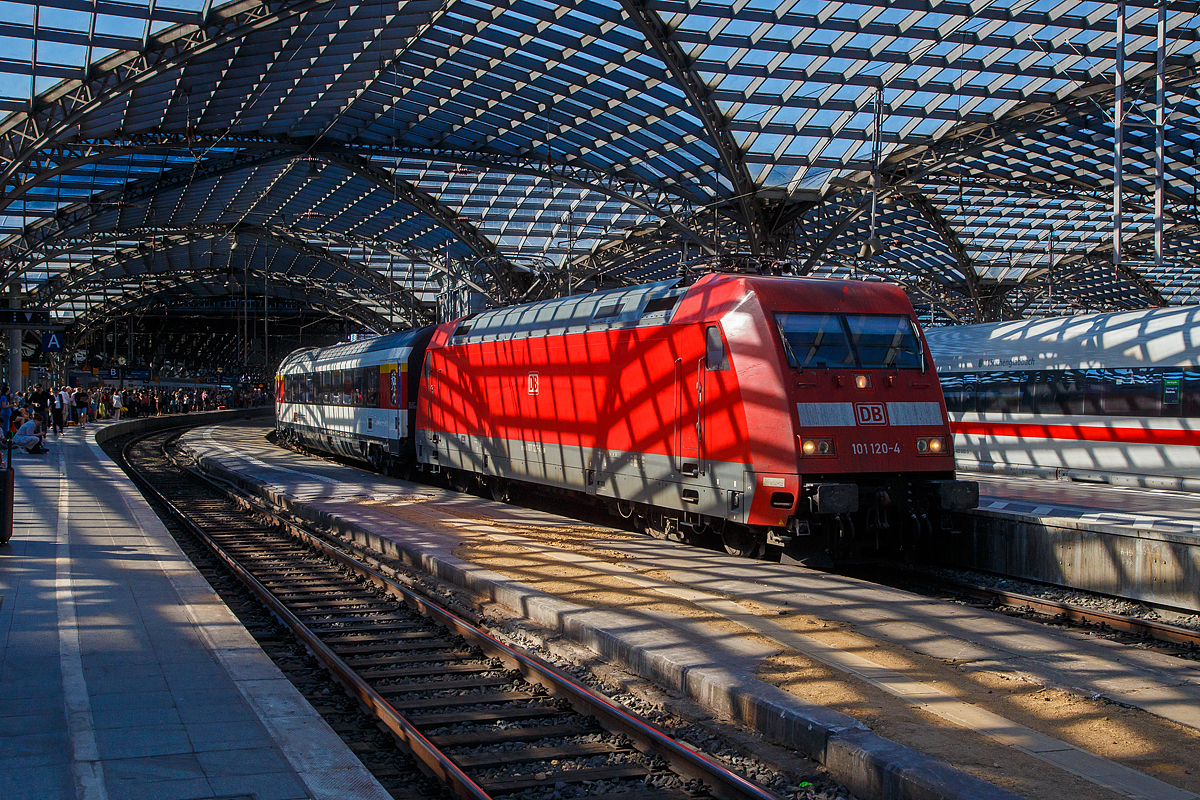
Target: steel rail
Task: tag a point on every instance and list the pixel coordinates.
(684, 760)
(430, 757)
(1160, 631)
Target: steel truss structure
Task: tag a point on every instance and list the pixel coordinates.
(379, 160)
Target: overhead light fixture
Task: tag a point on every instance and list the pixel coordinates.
(871, 247)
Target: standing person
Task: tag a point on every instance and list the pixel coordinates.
(6, 408)
(81, 406)
(117, 400)
(40, 401)
(29, 436)
(65, 403)
(58, 405)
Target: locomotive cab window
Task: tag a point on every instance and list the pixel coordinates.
(884, 342)
(866, 341)
(815, 340)
(715, 357)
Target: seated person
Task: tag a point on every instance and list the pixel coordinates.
(19, 417)
(30, 435)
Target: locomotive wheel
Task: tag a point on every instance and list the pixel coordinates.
(501, 490)
(658, 528)
(402, 469)
(741, 542)
(460, 481)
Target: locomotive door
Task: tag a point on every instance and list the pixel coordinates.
(686, 444)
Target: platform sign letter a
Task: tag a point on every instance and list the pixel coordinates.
(51, 343)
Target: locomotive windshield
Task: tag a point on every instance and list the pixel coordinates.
(865, 341)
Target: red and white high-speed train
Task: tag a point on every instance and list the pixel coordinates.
(799, 413)
(1109, 397)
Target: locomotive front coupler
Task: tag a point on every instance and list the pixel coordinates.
(955, 495)
(832, 498)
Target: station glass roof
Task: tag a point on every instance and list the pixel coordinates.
(394, 162)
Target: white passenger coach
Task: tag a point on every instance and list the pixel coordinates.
(356, 400)
(1101, 397)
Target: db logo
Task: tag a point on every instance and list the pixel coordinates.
(532, 385)
(870, 414)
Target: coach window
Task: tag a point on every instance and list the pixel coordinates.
(372, 377)
(1172, 393)
(356, 398)
(999, 391)
(952, 392)
(1069, 392)
(715, 358)
(1189, 394)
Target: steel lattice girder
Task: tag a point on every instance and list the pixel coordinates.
(347, 278)
(672, 108)
(190, 283)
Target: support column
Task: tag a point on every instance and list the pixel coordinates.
(15, 339)
(1160, 122)
(1118, 132)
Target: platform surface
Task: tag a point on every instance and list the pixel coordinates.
(1157, 683)
(1160, 510)
(122, 674)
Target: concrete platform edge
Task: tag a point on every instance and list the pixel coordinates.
(319, 757)
(870, 765)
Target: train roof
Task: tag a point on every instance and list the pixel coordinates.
(647, 304)
(382, 347)
(1153, 337)
(667, 301)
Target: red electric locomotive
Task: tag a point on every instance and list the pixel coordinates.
(802, 414)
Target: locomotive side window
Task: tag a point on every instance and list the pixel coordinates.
(815, 340)
(715, 358)
(883, 342)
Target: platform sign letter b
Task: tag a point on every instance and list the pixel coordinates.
(51, 343)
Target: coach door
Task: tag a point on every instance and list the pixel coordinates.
(686, 433)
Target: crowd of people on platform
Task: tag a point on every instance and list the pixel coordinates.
(27, 417)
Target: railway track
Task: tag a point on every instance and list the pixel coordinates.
(1187, 640)
(484, 719)
(1183, 641)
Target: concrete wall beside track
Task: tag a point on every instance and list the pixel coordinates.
(1156, 564)
(151, 424)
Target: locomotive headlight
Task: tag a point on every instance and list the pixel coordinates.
(817, 447)
(931, 445)
(862, 381)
